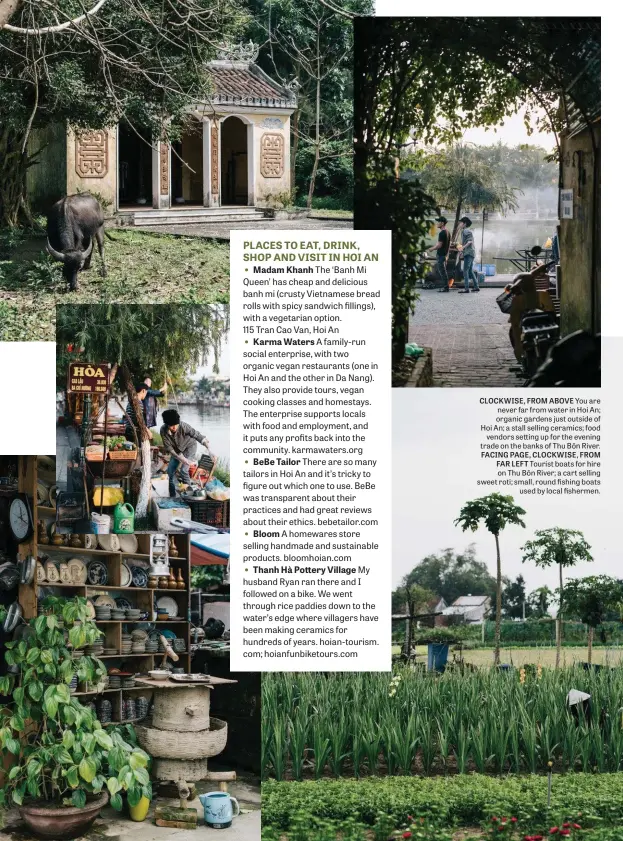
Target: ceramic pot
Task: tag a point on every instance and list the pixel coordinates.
(46, 820)
(139, 812)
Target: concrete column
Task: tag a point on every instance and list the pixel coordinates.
(207, 170)
(251, 164)
(161, 175)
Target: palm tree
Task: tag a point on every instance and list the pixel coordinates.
(495, 512)
(564, 547)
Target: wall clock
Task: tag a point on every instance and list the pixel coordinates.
(20, 518)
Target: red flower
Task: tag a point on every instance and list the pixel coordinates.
(553, 830)
(513, 820)
(528, 838)
(577, 826)
(70, 348)
(538, 838)
(406, 834)
(494, 819)
(565, 832)
(566, 825)
(410, 817)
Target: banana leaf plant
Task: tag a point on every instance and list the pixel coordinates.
(56, 748)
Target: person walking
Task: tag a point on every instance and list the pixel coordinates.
(468, 253)
(442, 247)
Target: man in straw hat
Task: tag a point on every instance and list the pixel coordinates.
(179, 439)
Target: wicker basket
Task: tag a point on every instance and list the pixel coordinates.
(210, 512)
(122, 455)
(200, 743)
(114, 469)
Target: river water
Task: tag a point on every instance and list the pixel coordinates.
(503, 236)
(210, 420)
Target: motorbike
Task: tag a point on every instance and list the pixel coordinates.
(534, 327)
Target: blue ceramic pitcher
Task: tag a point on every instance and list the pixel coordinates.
(218, 810)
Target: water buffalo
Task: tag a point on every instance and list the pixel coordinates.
(73, 223)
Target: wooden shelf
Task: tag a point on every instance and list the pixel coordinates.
(74, 550)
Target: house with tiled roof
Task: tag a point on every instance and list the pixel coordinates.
(472, 609)
(234, 151)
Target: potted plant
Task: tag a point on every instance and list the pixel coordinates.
(64, 765)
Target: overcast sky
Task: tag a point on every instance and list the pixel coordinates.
(513, 133)
(436, 462)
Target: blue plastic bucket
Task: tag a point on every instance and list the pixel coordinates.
(437, 656)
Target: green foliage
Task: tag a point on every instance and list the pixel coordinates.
(157, 339)
(56, 748)
(385, 202)
(141, 60)
(592, 597)
(448, 803)
(494, 511)
(565, 547)
(452, 574)
(417, 722)
(205, 577)
(458, 177)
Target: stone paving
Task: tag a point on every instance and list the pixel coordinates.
(469, 338)
(221, 230)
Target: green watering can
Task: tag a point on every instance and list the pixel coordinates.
(123, 521)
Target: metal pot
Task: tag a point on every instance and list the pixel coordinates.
(200, 493)
(13, 618)
(214, 628)
(9, 576)
(27, 567)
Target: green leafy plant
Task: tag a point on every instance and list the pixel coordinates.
(57, 749)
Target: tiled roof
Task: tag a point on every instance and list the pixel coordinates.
(469, 601)
(242, 83)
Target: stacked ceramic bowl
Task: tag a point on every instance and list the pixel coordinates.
(151, 645)
(132, 614)
(139, 640)
(102, 612)
(110, 652)
(118, 614)
(179, 646)
(114, 681)
(96, 649)
(142, 706)
(104, 711)
(126, 644)
(73, 686)
(128, 682)
(129, 709)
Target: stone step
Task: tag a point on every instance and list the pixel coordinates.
(195, 216)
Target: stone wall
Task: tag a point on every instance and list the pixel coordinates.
(271, 157)
(46, 180)
(92, 163)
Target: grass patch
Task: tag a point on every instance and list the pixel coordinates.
(142, 268)
(457, 807)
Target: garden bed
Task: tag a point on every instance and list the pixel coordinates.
(450, 808)
(492, 722)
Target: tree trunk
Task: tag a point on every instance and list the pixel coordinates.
(498, 602)
(312, 180)
(591, 635)
(559, 634)
(143, 442)
(13, 205)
